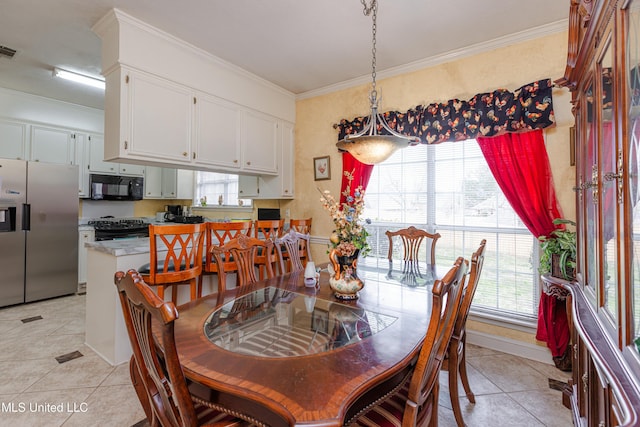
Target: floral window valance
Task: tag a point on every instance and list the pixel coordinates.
(486, 114)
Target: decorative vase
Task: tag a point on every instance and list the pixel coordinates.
(343, 279)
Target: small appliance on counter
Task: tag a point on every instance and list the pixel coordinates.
(172, 211)
(187, 219)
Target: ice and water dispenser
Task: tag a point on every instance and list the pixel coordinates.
(7, 219)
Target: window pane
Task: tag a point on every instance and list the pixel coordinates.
(449, 188)
(218, 189)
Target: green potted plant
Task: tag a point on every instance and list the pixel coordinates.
(559, 251)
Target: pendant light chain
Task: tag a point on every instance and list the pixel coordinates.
(372, 10)
(367, 145)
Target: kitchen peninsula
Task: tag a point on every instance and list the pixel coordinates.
(106, 332)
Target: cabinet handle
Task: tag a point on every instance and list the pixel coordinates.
(194, 155)
(185, 154)
(248, 163)
(235, 161)
(286, 191)
(585, 383)
(126, 145)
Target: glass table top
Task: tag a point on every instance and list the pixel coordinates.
(272, 322)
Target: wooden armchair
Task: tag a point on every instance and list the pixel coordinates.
(412, 239)
(244, 252)
(219, 233)
(456, 360)
(175, 258)
(416, 401)
(157, 377)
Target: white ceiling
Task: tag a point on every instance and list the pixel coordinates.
(300, 45)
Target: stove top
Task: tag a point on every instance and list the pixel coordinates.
(118, 224)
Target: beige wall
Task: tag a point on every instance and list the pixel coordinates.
(508, 67)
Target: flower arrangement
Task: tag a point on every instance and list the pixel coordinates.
(349, 234)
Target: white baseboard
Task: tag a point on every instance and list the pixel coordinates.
(510, 346)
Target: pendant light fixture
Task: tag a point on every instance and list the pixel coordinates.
(368, 146)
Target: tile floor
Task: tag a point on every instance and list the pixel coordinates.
(36, 390)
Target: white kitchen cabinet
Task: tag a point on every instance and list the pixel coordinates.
(98, 165)
(152, 120)
(153, 182)
(168, 183)
(52, 145)
(280, 186)
(217, 133)
(13, 140)
(85, 236)
(259, 143)
(147, 118)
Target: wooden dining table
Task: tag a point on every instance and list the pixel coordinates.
(289, 354)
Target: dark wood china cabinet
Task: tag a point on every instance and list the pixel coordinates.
(603, 74)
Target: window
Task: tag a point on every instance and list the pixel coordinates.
(218, 189)
(449, 188)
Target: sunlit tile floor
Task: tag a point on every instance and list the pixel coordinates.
(37, 390)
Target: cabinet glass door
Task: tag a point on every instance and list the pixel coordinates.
(609, 170)
(633, 122)
(589, 187)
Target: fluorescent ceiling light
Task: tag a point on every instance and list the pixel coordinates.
(79, 78)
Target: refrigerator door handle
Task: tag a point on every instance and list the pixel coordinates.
(26, 216)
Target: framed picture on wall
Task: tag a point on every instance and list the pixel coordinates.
(321, 168)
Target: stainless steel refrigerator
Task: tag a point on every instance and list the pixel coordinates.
(38, 231)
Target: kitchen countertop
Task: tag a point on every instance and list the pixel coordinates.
(121, 247)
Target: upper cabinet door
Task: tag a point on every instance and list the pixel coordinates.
(96, 157)
(217, 132)
(160, 118)
(13, 137)
(52, 145)
(259, 143)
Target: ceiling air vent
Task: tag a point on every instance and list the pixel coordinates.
(7, 51)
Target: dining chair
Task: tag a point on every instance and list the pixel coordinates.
(157, 376)
(289, 250)
(175, 258)
(265, 229)
(412, 239)
(302, 226)
(219, 233)
(415, 402)
(244, 252)
(455, 361)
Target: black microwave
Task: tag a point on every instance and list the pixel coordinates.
(116, 187)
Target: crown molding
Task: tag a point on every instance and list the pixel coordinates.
(520, 37)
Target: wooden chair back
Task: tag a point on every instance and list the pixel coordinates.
(175, 257)
(422, 402)
(244, 251)
(477, 261)
(455, 360)
(265, 229)
(219, 233)
(302, 226)
(289, 250)
(412, 239)
(163, 379)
